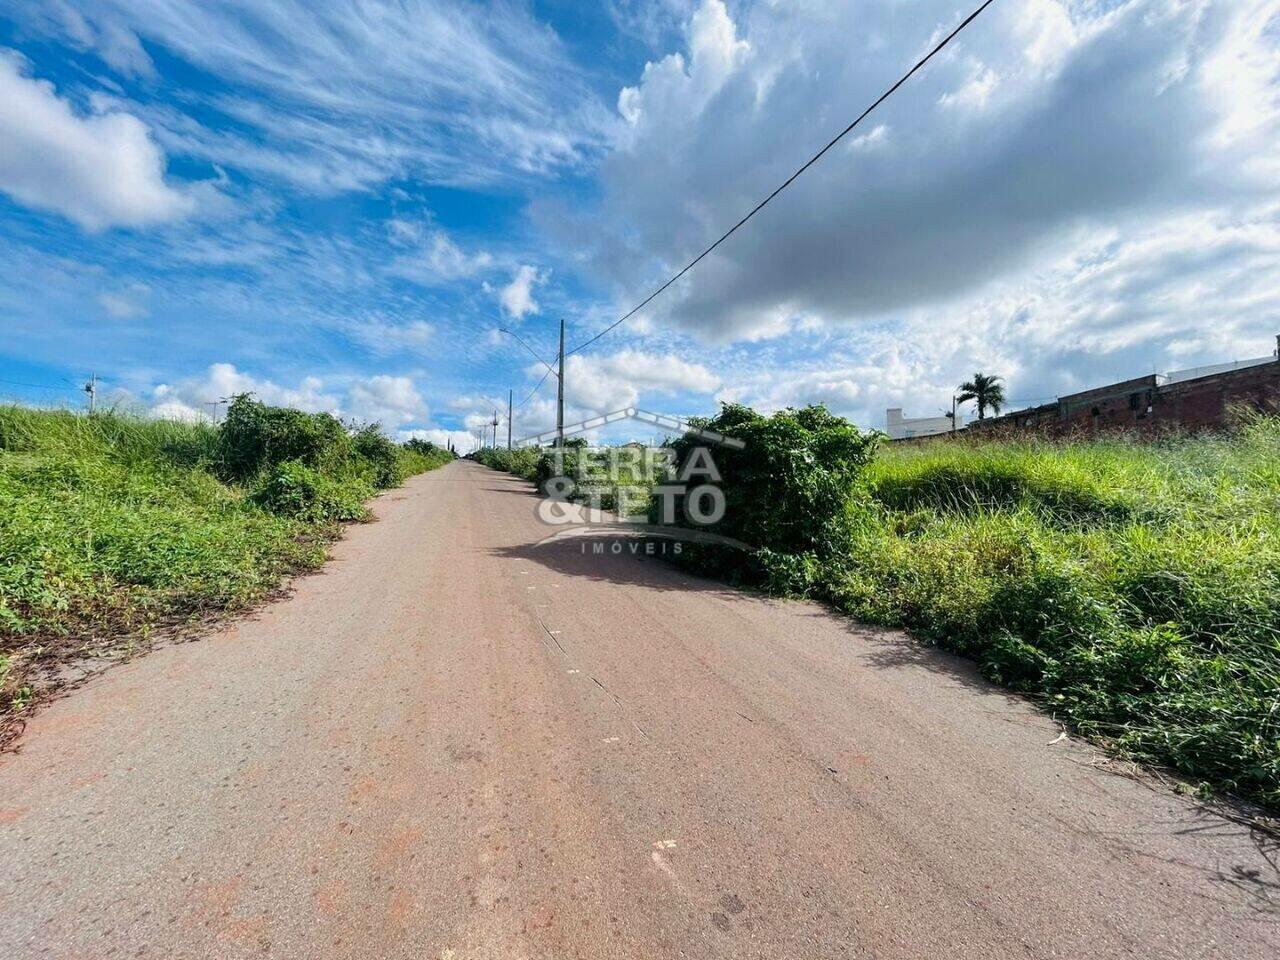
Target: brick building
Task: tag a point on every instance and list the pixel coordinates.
(1198, 399)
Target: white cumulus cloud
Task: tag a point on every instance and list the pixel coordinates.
(517, 296)
(1045, 117)
(393, 401)
(99, 169)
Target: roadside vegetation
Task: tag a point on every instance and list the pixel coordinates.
(523, 461)
(594, 483)
(1135, 589)
(1131, 589)
(112, 526)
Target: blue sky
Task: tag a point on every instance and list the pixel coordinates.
(336, 204)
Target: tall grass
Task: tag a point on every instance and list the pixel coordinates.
(112, 525)
(128, 440)
(1134, 589)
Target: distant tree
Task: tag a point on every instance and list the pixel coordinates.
(425, 447)
(986, 391)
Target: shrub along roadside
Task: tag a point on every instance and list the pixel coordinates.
(1131, 590)
(293, 489)
(1134, 591)
(785, 493)
(112, 526)
(522, 461)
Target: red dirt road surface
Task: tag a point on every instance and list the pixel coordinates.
(453, 743)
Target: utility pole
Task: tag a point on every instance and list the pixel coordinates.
(953, 413)
(495, 428)
(551, 371)
(214, 404)
(510, 397)
(91, 388)
(560, 392)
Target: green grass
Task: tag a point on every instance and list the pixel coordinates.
(1133, 589)
(111, 526)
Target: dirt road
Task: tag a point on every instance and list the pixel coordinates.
(455, 744)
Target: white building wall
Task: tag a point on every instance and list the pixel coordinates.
(1194, 373)
(901, 428)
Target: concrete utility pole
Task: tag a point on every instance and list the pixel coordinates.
(560, 392)
(510, 397)
(91, 388)
(495, 428)
(551, 371)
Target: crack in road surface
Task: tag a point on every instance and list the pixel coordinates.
(384, 766)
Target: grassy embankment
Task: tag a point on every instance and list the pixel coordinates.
(1131, 589)
(112, 526)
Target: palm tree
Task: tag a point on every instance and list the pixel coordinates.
(984, 389)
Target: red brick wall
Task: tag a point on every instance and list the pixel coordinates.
(1143, 406)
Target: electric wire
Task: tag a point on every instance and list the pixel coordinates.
(534, 390)
(791, 179)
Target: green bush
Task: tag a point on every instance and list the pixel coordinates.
(113, 524)
(522, 461)
(787, 492)
(589, 469)
(295, 490)
(419, 456)
(380, 455)
(97, 542)
(254, 438)
(1132, 589)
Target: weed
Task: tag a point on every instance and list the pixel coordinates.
(295, 490)
(1132, 589)
(113, 525)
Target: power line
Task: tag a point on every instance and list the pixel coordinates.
(791, 179)
(551, 372)
(522, 343)
(34, 386)
(535, 389)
